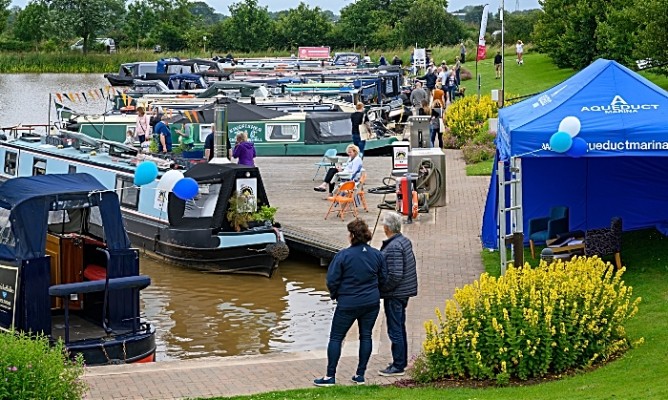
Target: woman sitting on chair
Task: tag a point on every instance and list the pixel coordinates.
(352, 168)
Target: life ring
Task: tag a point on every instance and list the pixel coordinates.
(415, 204)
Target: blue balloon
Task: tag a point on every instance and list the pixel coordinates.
(186, 189)
(579, 148)
(145, 173)
(560, 142)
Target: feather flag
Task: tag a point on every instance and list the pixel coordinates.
(482, 48)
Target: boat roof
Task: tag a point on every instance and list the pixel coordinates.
(16, 191)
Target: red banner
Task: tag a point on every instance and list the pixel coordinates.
(482, 52)
(314, 52)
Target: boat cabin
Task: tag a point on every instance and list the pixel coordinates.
(65, 261)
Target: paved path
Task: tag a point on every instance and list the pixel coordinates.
(448, 251)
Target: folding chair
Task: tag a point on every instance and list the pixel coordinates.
(328, 160)
(360, 195)
(345, 198)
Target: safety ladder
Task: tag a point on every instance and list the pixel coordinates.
(514, 235)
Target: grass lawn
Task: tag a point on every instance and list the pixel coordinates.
(640, 374)
(483, 168)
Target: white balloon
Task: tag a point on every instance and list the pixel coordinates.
(169, 179)
(570, 125)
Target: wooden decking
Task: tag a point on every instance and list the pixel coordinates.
(301, 210)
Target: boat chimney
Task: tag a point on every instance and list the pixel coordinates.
(220, 133)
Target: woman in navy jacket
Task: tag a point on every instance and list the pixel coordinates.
(353, 279)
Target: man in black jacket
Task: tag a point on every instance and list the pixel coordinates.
(401, 284)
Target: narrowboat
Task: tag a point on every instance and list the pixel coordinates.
(193, 233)
(315, 128)
(67, 269)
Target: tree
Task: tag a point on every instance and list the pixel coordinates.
(250, 27)
(652, 35)
(139, 22)
(4, 13)
(87, 18)
(36, 13)
(303, 26)
(519, 25)
(206, 13)
(428, 24)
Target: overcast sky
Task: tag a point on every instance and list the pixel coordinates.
(221, 6)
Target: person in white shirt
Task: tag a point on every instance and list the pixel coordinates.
(519, 49)
(351, 171)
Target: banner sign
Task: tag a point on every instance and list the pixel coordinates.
(9, 279)
(314, 52)
(482, 49)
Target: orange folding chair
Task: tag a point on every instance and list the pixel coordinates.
(345, 198)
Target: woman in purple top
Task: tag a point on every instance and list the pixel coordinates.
(244, 150)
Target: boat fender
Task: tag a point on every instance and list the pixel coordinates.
(415, 204)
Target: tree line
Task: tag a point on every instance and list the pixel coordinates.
(572, 32)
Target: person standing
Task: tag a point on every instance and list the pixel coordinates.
(401, 284)
(498, 60)
(164, 135)
(458, 70)
(208, 147)
(430, 79)
(142, 125)
(417, 95)
(462, 52)
(186, 136)
(358, 118)
(382, 61)
(354, 278)
(519, 49)
(244, 150)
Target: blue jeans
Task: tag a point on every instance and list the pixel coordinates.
(395, 313)
(357, 141)
(341, 323)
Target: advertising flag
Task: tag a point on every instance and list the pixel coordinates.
(482, 49)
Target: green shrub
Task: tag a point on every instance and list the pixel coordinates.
(479, 148)
(529, 323)
(465, 117)
(30, 368)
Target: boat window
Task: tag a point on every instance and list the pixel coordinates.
(10, 163)
(58, 217)
(65, 221)
(204, 131)
(129, 193)
(205, 203)
(281, 132)
(38, 166)
(72, 169)
(6, 235)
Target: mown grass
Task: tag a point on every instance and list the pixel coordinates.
(639, 374)
(482, 168)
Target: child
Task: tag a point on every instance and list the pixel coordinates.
(130, 137)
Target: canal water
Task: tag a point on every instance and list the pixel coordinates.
(196, 314)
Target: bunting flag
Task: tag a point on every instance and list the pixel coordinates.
(124, 98)
(84, 96)
(108, 88)
(196, 116)
(92, 94)
(59, 96)
(70, 96)
(101, 93)
(187, 114)
(78, 97)
(482, 49)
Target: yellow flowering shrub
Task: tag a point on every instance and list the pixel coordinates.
(529, 323)
(466, 116)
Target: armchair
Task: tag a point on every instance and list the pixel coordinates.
(605, 241)
(544, 228)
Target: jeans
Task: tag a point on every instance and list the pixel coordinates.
(433, 132)
(341, 323)
(451, 93)
(395, 313)
(357, 141)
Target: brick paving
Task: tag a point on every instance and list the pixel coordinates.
(447, 247)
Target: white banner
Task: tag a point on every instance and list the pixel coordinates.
(482, 49)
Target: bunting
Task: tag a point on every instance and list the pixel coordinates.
(196, 116)
(78, 97)
(83, 94)
(59, 96)
(92, 94)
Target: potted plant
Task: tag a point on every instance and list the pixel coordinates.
(238, 212)
(264, 215)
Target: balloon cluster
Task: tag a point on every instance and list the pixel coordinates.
(565, 140)
(172, 181)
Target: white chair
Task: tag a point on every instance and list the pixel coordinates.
(328, 160)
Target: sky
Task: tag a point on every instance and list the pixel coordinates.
(221, 6)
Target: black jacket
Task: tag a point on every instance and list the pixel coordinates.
(401, 268)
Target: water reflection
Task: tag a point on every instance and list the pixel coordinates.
(197, 314)
(201, 315)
